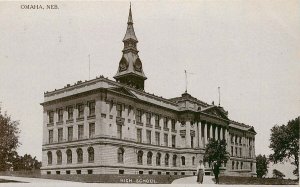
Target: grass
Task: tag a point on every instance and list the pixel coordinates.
(112, 178)
(153, 179)
(256, 181)
(8, 181)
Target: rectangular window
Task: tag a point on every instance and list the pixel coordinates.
(119, 131)
(241, 152)
(119, 110)
(70, 133)
(50, 136)
(138, 116)
(148, 135)
(148, 118)
(80, 108)
(165, 122)
(173, 140)
(157, 138)
(192, 141)
(51, 116)
(156, 120)
(231, 150)
(173, 124)
(60, 134)
(92, 108)
(236, 151)
(91, 130)
(139, 135)
(70, 112)
(80, 132)
(60, 114)
(166, 139)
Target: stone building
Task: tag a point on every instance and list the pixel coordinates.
(103, 126)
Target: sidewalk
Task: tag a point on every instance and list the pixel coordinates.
(34, 180)
(192, 180)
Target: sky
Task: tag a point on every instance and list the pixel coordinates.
(250, 49)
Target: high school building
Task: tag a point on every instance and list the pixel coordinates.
(103, 126)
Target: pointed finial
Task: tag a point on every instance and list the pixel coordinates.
(130, 16)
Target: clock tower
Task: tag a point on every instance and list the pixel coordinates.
(130, 71)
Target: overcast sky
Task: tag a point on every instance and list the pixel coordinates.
(248, 48)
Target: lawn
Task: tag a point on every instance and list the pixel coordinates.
(8, 181)
(257, 181)
(112, 178)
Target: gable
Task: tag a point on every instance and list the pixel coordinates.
(122, 90)
(215, 111)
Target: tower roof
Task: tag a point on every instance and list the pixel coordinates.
(130, 30)
(130, 69)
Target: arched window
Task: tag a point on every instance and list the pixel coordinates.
(49, 154)
(174, 160)
(193, 160)
(158, 157)
(149, 158)
(59, 157)
(69, 156)
(91, 154)
(167, 159)
(120, 155)
(140, 157)
(183, 160)
(79, 155)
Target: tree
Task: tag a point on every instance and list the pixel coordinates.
(277, 174)
(261, 165)
(284, 142)
(9, 140)
(25, 162)
(215, 151)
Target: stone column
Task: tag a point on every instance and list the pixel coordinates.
(211, 130)
(205, 133)
(221, 133)
(188, 134)
(216, 132)
(200, 134)
(227, 138)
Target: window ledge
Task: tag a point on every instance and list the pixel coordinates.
(80, 119)
(91, 117)
(50, 124)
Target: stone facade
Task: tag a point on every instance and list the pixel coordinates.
(102, 126)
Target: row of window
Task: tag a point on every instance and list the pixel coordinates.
(157, 138)
(240, 152)
(139, 114)
(120, 157)
(70, 110)
(239, 165)
(121, 171)
(235, 139)
(80, 133)
(69, 154)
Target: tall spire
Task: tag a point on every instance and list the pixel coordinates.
(130, 71)
(130, 31)
(130, 16)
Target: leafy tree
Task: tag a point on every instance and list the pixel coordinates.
(26, 162)
(284, 142)
(215, 151)
(9, 140)
(277, 174)
(261, 165)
